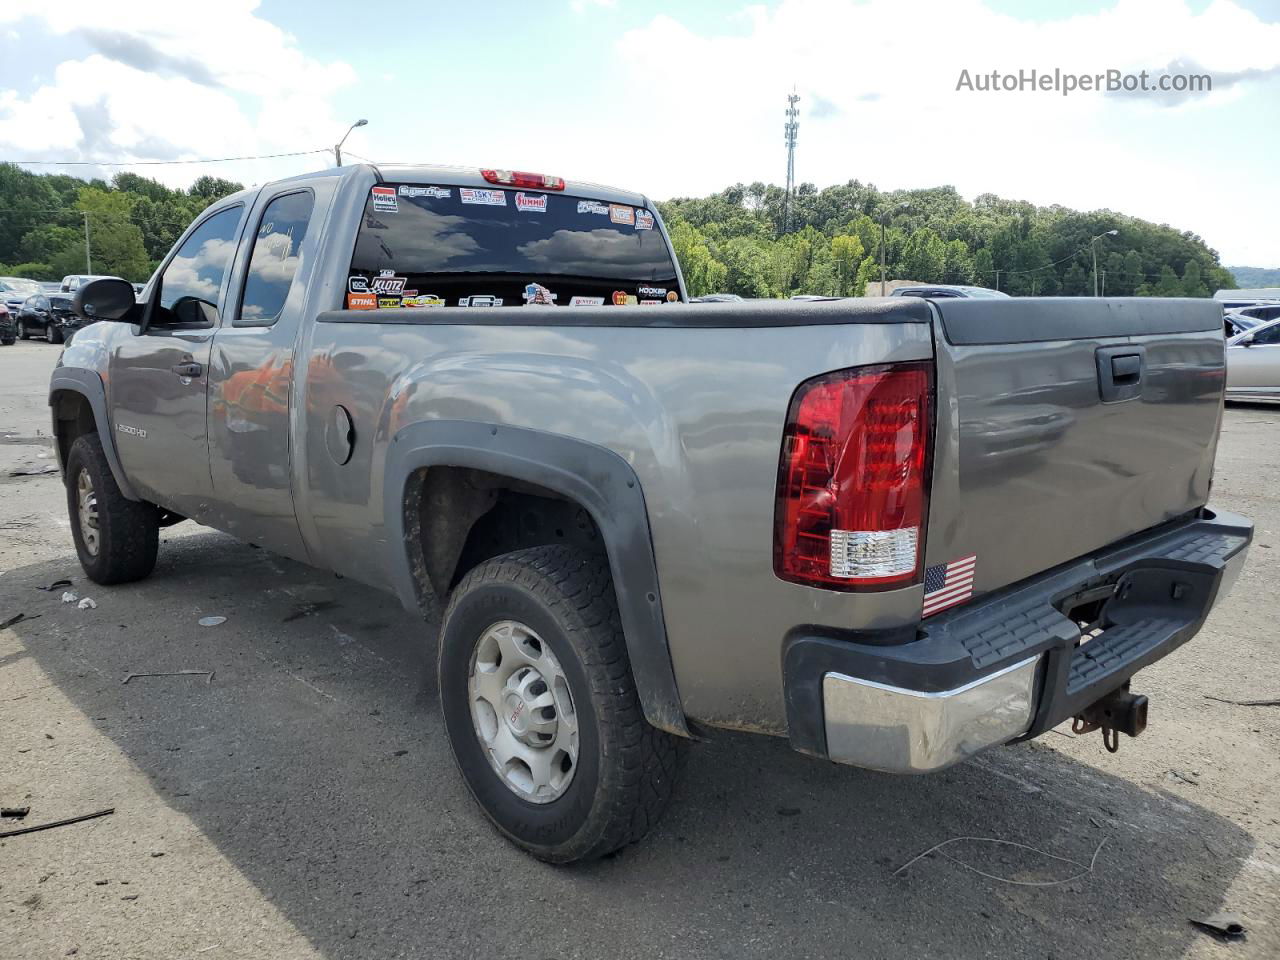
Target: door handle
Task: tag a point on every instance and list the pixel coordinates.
(188, 368)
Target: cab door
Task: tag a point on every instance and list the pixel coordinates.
(1255, 366)
(157, 386)
(251, 373)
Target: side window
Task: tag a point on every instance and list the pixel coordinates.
(275, 258)
(190, 283)
(1268, 336)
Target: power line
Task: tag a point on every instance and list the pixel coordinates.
(153, 163)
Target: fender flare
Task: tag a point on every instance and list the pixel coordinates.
(88, 384)
(597, 479)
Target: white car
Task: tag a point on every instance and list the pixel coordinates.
(1253, 363)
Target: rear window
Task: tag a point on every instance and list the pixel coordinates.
(422, 245)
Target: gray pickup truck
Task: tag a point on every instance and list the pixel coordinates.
(895, 531)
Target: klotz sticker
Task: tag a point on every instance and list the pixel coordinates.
(652, 291)
(480, 301)
(536, 295)
(672, 296)
(490, 198)
(586, 301)
(437, 192)
(531, 202)
(386, 284)
(644, 219)
(592, 206)
(384, 200)
(620, 213)
(362, 301)
(424, 300)
(623, 299)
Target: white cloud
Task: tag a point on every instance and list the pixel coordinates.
(171, 81)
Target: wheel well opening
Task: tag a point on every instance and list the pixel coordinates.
(458, 517)
(73, 417)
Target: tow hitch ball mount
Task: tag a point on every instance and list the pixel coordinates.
(1116, 713)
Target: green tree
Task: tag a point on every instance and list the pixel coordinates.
(846, 252)
(703, 274)
(925, 257)
(1192, 285)
(1168, 285)
(114, 239)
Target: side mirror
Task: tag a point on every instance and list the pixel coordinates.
(107, 299)
(1246, 340)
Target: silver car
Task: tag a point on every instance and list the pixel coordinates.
(1253, 363)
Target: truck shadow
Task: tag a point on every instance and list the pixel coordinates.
(316, 763)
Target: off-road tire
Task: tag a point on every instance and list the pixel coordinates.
(128, 530)
(626, 769)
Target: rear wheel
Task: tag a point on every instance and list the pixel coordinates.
(23, 334)
(53, 334)
(541, 709)
(116, 538)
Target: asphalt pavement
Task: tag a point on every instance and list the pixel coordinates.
(294, 795)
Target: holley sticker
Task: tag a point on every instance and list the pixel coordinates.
(620, 213)
(531, 202)
(384, 200)
(490, 198)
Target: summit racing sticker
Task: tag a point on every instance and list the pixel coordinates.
(490, 198)
(384, 200)
(385, 284)
(438, 192)
(531, 202)
(620, 213)
(644, 219)
(480, 300)
(593, 206)
(536, 295)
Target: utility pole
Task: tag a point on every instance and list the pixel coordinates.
(88, 258)
(997, 279)
(1104, 283)
(337, 147)
(882, 254)
(790, 129)
(1093, 248)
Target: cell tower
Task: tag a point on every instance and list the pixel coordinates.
(791, 127)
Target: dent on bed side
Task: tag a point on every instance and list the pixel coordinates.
(590, 476)
(88, 384)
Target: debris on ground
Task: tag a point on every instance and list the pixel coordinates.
(1223, 924)
(88, 603)
(33, 470)
(207, 674)
(69, 597)
(58, 823)
(1176, 775)
(211, 621)
(309, 609)
(16, 619)
(16, 813)
(1246, 703)
(938, 848)
(56, 585)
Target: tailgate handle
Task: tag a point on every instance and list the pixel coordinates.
(1120, 372)
(1126, 369)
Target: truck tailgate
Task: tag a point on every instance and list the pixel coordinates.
(1064, 425)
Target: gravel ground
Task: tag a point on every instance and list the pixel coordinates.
(302, 803)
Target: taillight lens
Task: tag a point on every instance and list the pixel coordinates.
(519, 178)
(853, 479)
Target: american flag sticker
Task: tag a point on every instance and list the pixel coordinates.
(947, 584)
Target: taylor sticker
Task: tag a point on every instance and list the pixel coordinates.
(621, 213)
(652, 291)
(384, 200)
(644, 219)
(490, 198)
(362, 301)
(483, 300)
(531, 202)
(387, 303)
(593, 206)
(536, 295)
(437, 192)
(423, 300)
(586, 301)
(623, 299)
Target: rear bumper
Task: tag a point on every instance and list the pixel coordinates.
(1009, 665)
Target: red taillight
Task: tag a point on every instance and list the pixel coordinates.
(852, 482)
(518, 178)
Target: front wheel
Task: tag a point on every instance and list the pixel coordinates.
(23, 333)
(541, 709)
(116, 538)
(53, 334)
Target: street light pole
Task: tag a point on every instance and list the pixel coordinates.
(337, 147)
(88, 257)
(1094, 250)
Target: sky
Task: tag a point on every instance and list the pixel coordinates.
(674, 98)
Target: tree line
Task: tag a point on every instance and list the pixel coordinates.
(132, 222)
(736, 241)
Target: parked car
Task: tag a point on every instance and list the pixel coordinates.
(895, 531)
(940, 290)
(51, 316)
(8, 327)
(717, 298)
(75, 281)
(1235, 323)
(14, 290)
(1253, 363)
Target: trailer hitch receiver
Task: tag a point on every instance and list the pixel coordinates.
(1118, 712)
